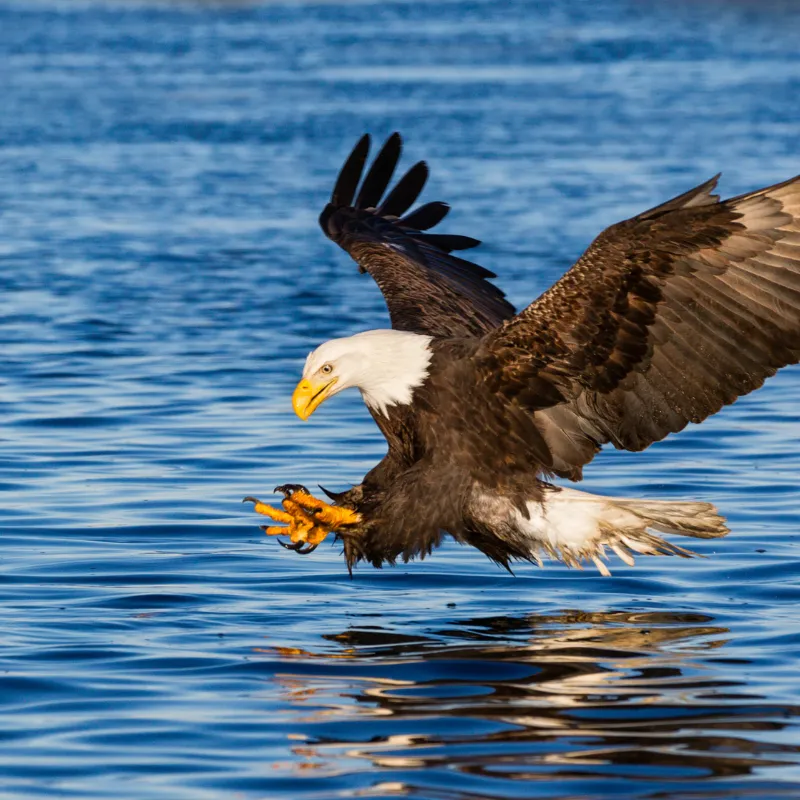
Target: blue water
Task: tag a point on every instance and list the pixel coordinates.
(161, 169)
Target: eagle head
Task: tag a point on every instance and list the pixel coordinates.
(385, 365)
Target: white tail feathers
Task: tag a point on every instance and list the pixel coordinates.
(699, 520)
(575, 527)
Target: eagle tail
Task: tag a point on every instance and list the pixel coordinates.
(576, 527)
(699, 520)
(630, 527)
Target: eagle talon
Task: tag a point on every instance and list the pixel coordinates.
(307, 520)
(288, 489)
(293, 546)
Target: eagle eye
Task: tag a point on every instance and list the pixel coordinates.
(326, 369)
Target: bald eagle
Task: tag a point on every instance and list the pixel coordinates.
(666, 318)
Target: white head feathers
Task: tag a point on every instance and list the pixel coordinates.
(386, 365)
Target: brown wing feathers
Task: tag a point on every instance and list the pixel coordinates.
(666, 318)
(427, 290)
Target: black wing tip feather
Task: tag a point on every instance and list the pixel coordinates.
(380, 173)
(448, 242)
(426, 217)
(354, 200)
(350, 174)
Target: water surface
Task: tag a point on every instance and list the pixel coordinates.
(161, 169)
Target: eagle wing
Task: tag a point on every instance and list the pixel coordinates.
(427, 289)
(666, 318)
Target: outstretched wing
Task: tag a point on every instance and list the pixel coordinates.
(666, 318)
(427, 289)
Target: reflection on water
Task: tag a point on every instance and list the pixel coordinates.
(570, 697)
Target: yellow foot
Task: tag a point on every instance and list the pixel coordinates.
(308, 520)
(331, 517)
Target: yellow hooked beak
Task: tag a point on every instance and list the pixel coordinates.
(308, 395)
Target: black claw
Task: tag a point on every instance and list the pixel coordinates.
(288, 489)
(333, 495)
(310, 549)
(249, 499)
(293, 546)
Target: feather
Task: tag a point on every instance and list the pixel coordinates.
(350, 174)
(405, 192)
(380, 173)
(666, 318)
(447, 242)
(426, 217)
(427, 290)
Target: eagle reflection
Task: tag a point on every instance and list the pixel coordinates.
(572, 696)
